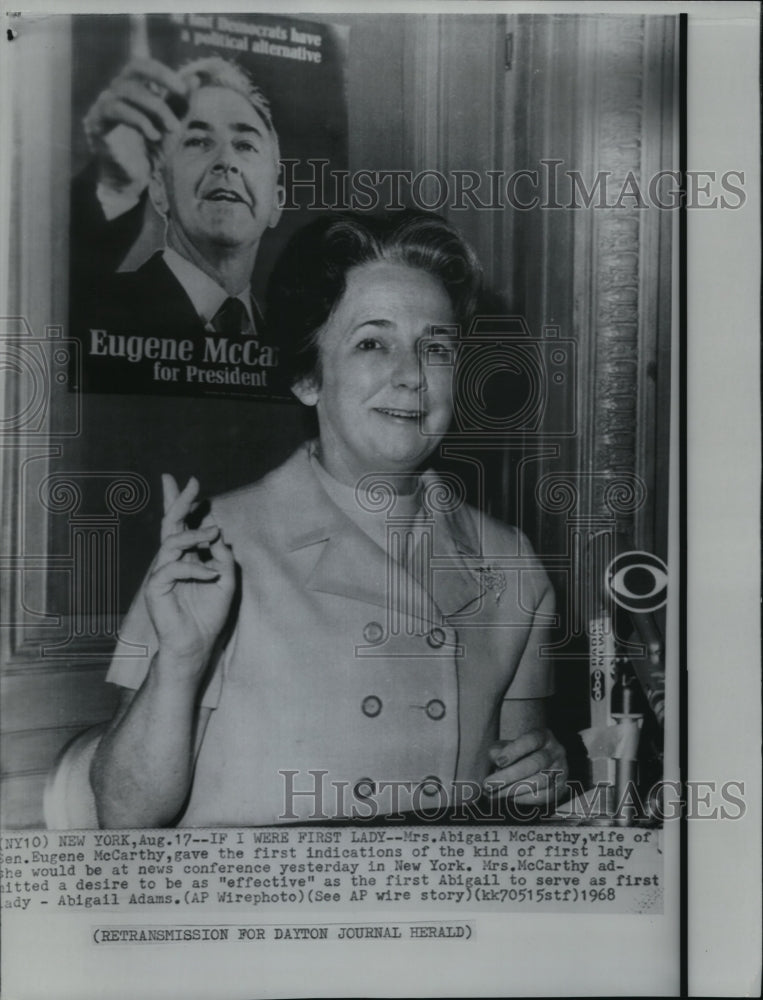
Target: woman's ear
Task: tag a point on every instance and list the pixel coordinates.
(307, 390)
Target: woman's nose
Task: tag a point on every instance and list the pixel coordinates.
(409, 371)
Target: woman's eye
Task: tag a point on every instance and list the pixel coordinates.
(438, 351)
(369, 344)
(246, 147)
(195, 141)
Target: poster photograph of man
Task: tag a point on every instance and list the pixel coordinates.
(188, 158)
(344, 363)
(215, 213)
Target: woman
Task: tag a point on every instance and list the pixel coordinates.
(332, 642)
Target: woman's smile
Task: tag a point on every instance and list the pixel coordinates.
(385, 397)
(399, 414)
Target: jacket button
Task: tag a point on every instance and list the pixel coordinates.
(435, 709)
(364, 788)
(431, 785)
(371, 706)
(436, 637)
(373, 632)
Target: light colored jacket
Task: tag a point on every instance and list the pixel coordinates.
(345, 676)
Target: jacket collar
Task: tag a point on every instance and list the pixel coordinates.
(352, 565)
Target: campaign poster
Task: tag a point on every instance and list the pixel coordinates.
(158, 183)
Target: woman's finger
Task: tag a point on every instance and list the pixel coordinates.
(176, 570)
(165, 577)
(174, 547)
(170, 490)
(528, 767)
(218, 548)
(506, 752)
(177, 505)
(549, 785)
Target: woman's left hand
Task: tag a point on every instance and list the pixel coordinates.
(530, 770)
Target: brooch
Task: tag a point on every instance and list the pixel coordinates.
(493, 579)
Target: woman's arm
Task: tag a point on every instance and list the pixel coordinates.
(530, 763)
(143, 769)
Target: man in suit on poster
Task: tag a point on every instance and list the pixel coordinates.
(201, 144)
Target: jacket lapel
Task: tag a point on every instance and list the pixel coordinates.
(456, 581)
(348, 564)
(353, 566)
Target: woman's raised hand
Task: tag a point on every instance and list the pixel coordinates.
(188, 596)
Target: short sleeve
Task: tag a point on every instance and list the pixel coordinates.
(534, 677)
(136, 646)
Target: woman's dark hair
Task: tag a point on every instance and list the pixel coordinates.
(310, 276)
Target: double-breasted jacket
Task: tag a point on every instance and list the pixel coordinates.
(348, 683)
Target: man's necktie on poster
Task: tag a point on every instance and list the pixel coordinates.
(231, 319)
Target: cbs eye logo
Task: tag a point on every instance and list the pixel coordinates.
(638, 581)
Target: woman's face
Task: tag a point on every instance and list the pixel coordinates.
(385, 399)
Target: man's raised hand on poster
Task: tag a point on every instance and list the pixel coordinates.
(133, 112)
